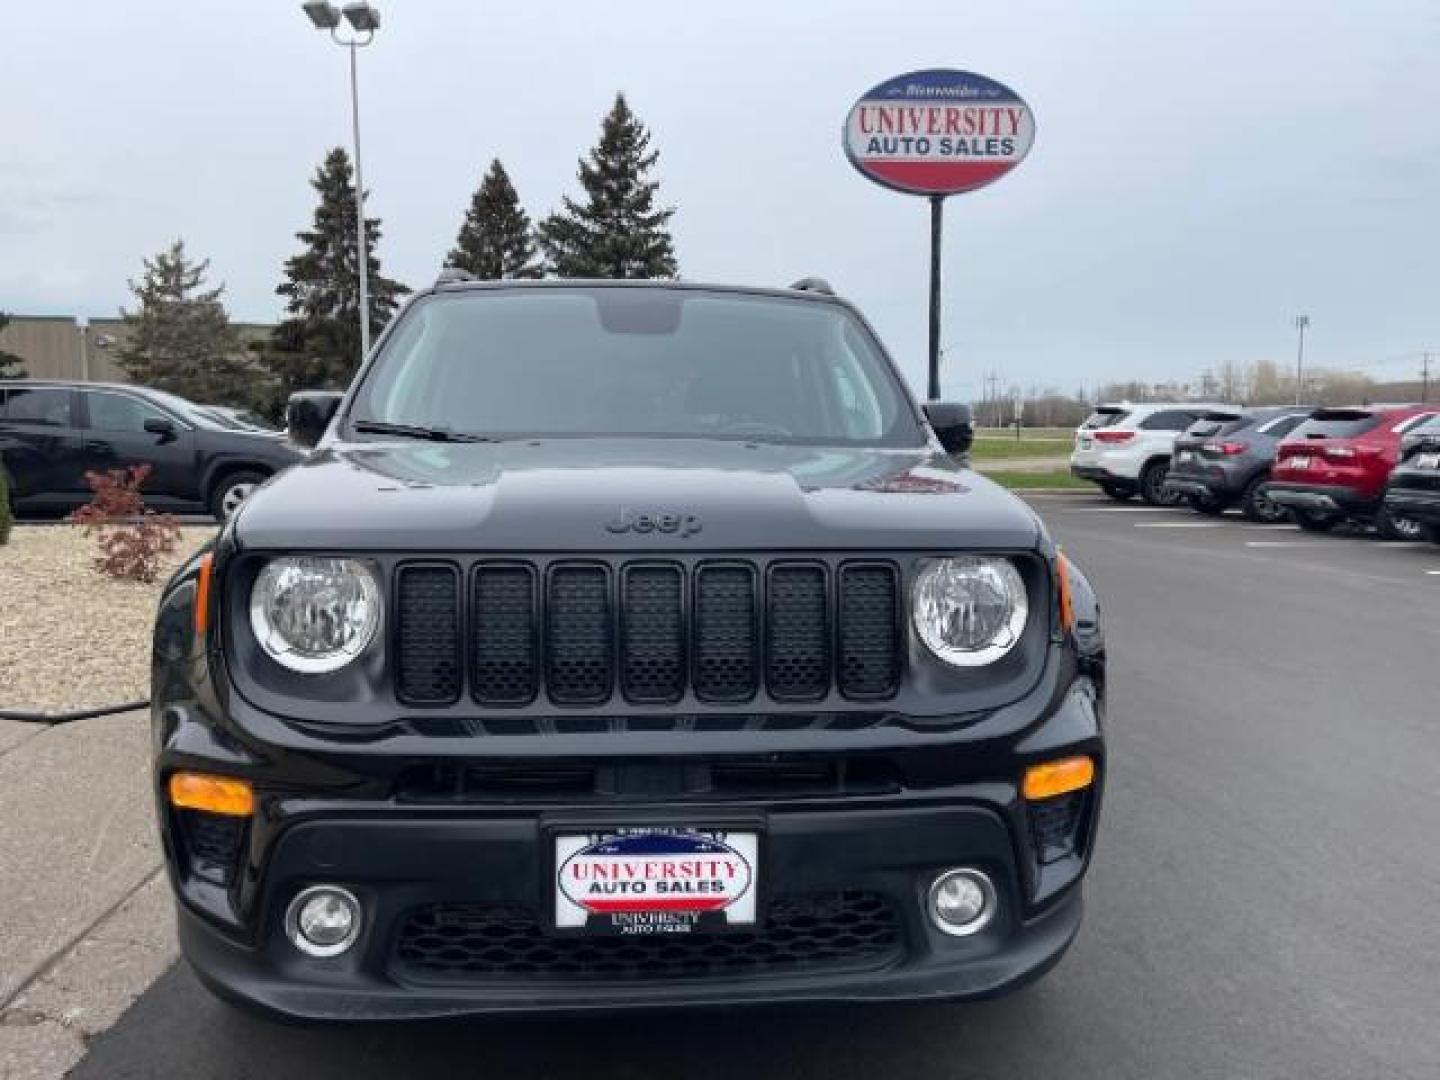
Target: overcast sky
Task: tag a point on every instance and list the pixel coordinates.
(1201, 171)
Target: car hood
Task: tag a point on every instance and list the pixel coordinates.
(621, 494)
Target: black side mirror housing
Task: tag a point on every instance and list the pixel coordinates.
(308, 414)
(954, 424)
(158, 425)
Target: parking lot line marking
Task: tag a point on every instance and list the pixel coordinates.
(1272, 528)
(1436, 573)
(1179, 524)
(1287, 543)
(1400, 545)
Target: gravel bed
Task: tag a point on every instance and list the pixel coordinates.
(70, 637)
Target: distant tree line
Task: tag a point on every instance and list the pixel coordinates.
(180, 337)
(1257, 384)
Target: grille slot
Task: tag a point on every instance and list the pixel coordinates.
(472, 942)
(724, 631)
(504, 639)
(428, 660)
(797, 633)
(578, 635)
(653, 634)
(869, 661)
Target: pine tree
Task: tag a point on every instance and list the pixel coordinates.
(618, 232)
(180, 338)
(10, 364)
(319, 344)
(496, 240)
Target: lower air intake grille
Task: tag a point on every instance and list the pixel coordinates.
(428, 660)
(458, 942)
(1055, 825)
(212, 844)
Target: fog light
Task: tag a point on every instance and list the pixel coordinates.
(962, 902)
(323, 920)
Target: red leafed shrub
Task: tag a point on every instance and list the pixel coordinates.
(131, 539)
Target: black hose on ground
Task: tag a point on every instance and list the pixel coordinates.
(55, 719)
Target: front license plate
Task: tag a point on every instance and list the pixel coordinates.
(1427, 461)
(1185, 457)
(656, 880)
(1299, 463)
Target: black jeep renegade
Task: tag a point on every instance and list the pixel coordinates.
(626, 645)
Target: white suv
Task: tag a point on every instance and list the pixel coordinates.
(1126, 448)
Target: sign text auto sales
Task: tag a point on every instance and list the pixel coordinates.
(946, 130)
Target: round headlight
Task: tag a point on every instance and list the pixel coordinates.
(315, 615)
(970, 609)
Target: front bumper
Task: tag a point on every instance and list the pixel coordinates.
(908, 805)
(396, 866)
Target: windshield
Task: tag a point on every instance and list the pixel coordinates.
(637, 361)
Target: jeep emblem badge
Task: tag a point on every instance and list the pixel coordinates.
(653, 521)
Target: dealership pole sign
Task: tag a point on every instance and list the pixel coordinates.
(938, 133)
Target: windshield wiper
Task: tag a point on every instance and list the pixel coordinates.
(416, 431)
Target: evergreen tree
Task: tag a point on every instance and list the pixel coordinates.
(495, 238)
(180, 338)
(618, 232)
(318, 345)
(10, 364)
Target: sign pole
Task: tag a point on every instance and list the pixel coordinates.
(937, 219)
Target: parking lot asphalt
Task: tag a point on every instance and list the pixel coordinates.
(1262, 902)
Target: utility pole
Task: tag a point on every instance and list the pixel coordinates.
(1301, 322)
(1425, 377)
(364, 20)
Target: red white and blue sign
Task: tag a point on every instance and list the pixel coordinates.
(655, 880)
(938, 132)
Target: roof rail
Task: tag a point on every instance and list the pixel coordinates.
(451, 274)
(813, 284)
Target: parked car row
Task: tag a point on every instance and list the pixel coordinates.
(202, 459)
(1376, 466)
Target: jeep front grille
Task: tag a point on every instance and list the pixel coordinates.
(650, 632)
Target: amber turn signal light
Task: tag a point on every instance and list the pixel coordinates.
(1067, 605)
(1058, 777)
(202, 596)
(213, 794)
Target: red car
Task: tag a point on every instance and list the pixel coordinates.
(1334, 467)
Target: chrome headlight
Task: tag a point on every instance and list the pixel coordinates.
(970, 610)
(315, 615)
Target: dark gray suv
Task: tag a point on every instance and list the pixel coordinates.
(1224, 458)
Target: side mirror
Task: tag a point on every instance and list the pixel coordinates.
(158, 425)
(954, 424)
(308, 414)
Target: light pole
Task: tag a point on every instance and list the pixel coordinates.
(364, 20)
(1301, 322)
